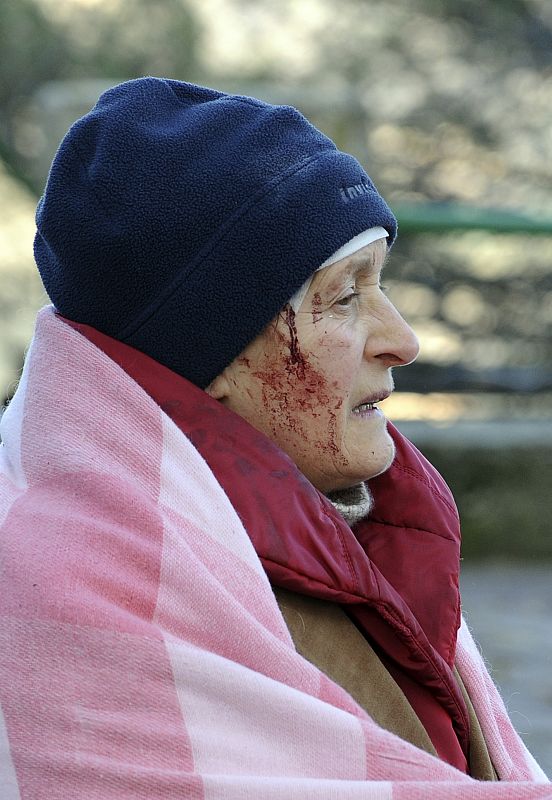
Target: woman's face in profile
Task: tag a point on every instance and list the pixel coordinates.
(312, 380)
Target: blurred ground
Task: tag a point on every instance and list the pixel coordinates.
(509, 610)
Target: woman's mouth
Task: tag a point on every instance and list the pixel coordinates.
(369, 406)
(364, 408)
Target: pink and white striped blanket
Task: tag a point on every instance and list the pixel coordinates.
(142, 652)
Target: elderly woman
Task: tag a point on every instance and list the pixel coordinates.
(207, 592)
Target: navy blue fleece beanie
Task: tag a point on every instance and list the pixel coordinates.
(180, 220)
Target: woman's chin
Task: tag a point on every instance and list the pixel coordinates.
(376, 452)
(360, 464)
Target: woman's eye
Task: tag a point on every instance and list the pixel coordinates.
(347, 299)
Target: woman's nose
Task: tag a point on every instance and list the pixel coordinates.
(397, 345)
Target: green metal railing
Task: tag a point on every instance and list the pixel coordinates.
(449, 217)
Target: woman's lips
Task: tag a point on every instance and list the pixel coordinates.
(368, 406)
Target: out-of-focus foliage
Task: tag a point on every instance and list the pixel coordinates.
(47, 40)
(446, 102)
(457, 94)
(41, 42)
(21, 292)
(503, 497)
(29, 48)
(481, 305)
(442, 101)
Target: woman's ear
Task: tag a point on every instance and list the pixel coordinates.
(219, 389)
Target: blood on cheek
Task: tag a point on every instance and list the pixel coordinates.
(300, 404)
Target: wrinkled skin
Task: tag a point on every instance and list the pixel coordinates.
(302, 380)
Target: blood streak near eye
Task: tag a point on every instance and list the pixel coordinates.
(316, 307)
(296, 358)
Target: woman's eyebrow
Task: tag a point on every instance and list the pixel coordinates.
(363, 264)
(333, 282)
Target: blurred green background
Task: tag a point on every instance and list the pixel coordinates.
(447, 105)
